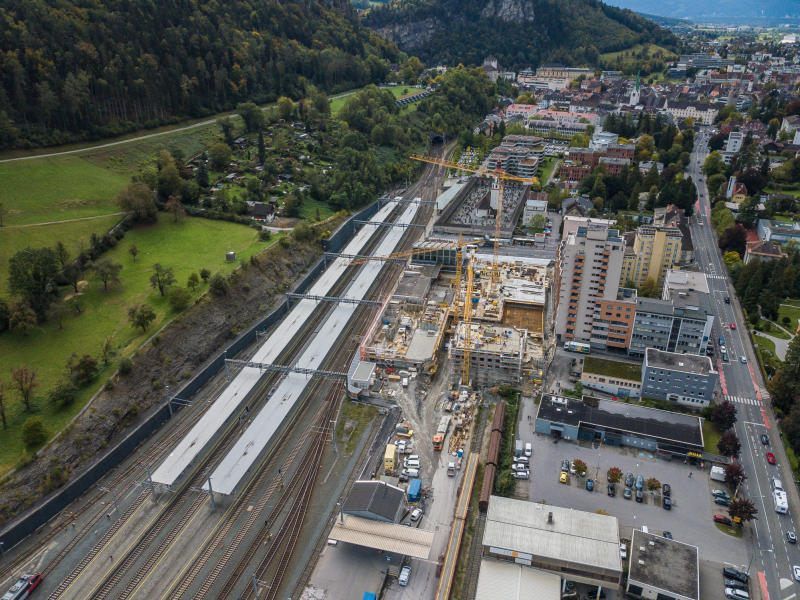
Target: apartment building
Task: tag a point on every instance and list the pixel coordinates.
(612, 326)
(589, 264)
(655, 250)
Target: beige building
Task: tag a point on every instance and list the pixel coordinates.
(655, 251)
(588, 269)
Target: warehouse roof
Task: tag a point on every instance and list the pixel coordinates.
(499, 579)
(389, 537)
(668, 565)
(376, 497)
(631, 418)
(553, 532)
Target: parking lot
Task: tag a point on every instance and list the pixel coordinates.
(690, 519)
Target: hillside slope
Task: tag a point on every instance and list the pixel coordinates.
(78, 69)
(519, 33)
(719, 11)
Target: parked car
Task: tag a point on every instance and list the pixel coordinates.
(791, 537)
(627, 493)
(416, 514)
(720, 493)
(796, 572)
(563, 477)
(771, 458)
(722, 501)
(666, 490)
(523, 460)
(528, 449)
(629, 480)
(639, 485)
(405, 575)
(522, 474)
(639, 496)
(765, 439)
(723, 520)
(735, 583)
(590, 485)
(519, 467)
(572, 469)
(668, 535)
(732, 573)
(736, 594)
(666, 502)
(612, 490)
(565, 466)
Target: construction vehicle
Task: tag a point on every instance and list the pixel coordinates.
(441, 433)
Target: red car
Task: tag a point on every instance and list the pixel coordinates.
(771, 458)
(733, 325)
(723, 520)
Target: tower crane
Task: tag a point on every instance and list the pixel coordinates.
(499, 177)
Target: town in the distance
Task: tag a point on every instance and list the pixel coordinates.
(556, 357)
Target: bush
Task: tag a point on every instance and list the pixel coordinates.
(63, 395)
(205, 274)
(179, 298)
(265, 235)
(83, 370)
(218, 285)
(33, 433)
(125, 366)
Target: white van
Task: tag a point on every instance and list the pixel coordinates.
(411, 472)
(416, 514)
(528, 449)
(405, 575)
(411, 464)
(776, 484)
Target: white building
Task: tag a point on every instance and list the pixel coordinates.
(660, 568)
(588, 268)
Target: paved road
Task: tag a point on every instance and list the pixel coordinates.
(742, 383)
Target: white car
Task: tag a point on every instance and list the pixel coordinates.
(796, 572)
(522, 474)
(416, 514)
(405, 575)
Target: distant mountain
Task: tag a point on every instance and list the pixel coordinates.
(765, 12)
(519, 33)
(77, 69)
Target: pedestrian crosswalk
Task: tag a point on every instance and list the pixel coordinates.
(742, 400)
(717, 276)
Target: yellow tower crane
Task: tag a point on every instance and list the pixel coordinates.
(499, 177)
(467, 354)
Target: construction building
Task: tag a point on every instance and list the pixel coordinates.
(498, 355)
(588, 268)
(473, 211)
(517, 155)
(655, 250)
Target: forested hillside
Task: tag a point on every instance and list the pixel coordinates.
(77, 69)
(520, 33)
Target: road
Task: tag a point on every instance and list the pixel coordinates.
(771, 556)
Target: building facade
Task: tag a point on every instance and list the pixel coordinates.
(682, 323)
(655, 251)
(588, 267)
(684, 379)
(612, 326)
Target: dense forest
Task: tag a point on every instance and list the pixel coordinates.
(77, 69)
(519, 33)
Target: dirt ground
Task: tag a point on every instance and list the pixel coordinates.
(170, 358)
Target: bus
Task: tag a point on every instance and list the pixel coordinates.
(578, 347)
(781, 502)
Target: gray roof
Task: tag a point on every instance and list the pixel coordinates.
(376, 497)
(621, 416)
(654, 305)
(668, 565)
(672, 361)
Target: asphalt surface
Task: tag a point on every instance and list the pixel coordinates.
(742, 383)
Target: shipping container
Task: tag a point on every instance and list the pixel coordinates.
(414, 490)
(390, 458)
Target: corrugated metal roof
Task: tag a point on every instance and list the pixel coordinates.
(510, 581)
(389, 537)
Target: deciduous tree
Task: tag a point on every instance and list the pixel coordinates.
(3, 405)
(133, 250)
(141, 316)
(32, 273)
(21, 319)
(729, 444)
(161, 278)
(108, 272)
(138, 200)
(722, 414)
(24, 380)
(742, 508)
(34, 433)
(220, 155)
(734, 474)
(175, 208)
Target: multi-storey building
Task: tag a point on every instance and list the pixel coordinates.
(655, 250)
(680, 378)
(613, 321)
(681, 323)
(589, 264)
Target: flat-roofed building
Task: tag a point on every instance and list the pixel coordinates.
(614, 377)
(684, 379)
(612, 326)
(577, 545)
(509, 581)
(660, 568)
(655, 251)
(620, 424)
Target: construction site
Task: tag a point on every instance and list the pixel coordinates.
(274, 485)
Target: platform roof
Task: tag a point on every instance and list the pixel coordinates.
(243, 383)
(389, 537)
(258, 435)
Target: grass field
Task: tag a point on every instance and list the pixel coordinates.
(630, 55)
(711, 436)
(773, 329)
(186, 247)
(789, 309)
(309, 208)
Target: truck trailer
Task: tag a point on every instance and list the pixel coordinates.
(441, 433)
